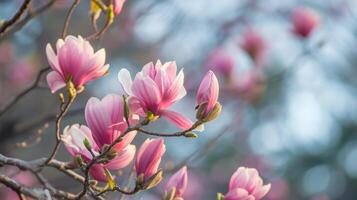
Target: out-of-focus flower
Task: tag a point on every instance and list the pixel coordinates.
(245, 184)
(156, 88)
(304, 21)
(24, 178)
(21, 72)
(251, 86)
(254, 45)
(207, 97)
(220, 62)
(149, 157)
(118, 6)
(75, 61)
(177, 183)
(74, 136)
(106, 120)
(279, 190)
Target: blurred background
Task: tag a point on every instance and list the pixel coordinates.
(287, 71)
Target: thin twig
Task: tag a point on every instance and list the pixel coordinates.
(58, 128)
(23, 93)
(20, 24)
(108, 23)
(68, 17)
(7, 24)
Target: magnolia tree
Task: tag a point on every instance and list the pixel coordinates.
(104, 144)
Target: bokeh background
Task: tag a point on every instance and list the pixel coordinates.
(290, 110)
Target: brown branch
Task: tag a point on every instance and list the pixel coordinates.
(20, 24)
(108, 23)
(69, 16)
(58, 127)
(24, 92)
(176, 134)
(7, 24)
(36, 193)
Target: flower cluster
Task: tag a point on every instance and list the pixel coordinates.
(105, 143)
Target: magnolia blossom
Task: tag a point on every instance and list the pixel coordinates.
(118, 6)
(221, 62)
(156, 88)
(178, 181)
(75, 60)
(149, 157)
(254, 45)
(304, 21)
(246, 184)
(208, 91)
(106, 120)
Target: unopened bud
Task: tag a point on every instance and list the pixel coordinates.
(78, 161)
(220, 196)
(169, 195)
(72, 92)
(61, 97)
(211, 115)
(153, 181)
(151, 117)
(191, 135)
(87, 144)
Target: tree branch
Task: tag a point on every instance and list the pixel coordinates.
(7, 24)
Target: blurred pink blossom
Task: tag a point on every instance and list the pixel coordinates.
(220, 62)
(279, 190)
(156, 88)
(149, 157)
(178, 181)
(75, 60)
(21, 72)
(251, 86)
(22, 177)
(254, 45)
(304, 21)
(246, 184)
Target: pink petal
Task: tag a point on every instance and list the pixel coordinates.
(237, 194)
(125, 81)
(147, 91)
(179, 181)
(52, 59)
(55, 81)
(176, 90)
(177, 119)
(123, 158)
(261, 192)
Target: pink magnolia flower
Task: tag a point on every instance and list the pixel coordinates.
(246, 184)
(304, 21)
(73, 137)
(106, 120)
(208, 91)
(75, 60)
(156, 88)
(178, 181)
(149, 157)
(254, 45)
(221, 62)
(118, 6)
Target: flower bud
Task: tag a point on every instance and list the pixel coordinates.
(220, 196)
(153, 180)
(207, 95)
(191, 135)
(169, 195)
(149, 157)
(213, 114)
(178, 181)
(87, 144)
